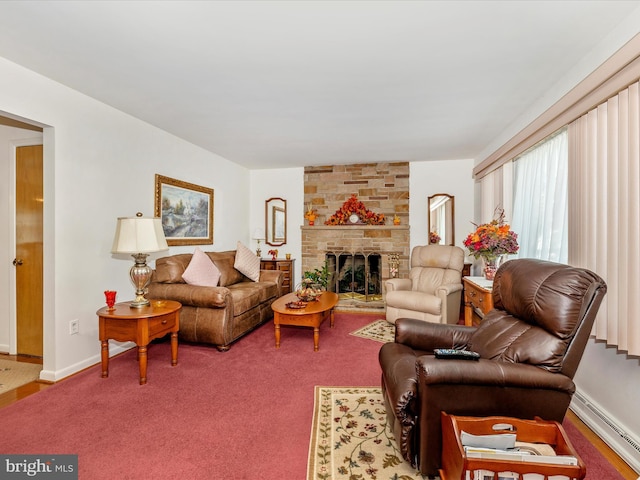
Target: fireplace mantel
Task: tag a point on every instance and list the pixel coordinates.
(309, 228)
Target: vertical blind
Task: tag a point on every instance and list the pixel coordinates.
(604, 211)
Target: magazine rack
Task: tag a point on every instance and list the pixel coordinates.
(457, 466)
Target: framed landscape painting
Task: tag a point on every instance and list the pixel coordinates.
(186, 211)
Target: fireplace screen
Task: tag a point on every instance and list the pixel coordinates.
(355, 275)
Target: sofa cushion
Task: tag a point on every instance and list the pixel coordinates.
(247, 295)
(201, 270)
(247, 262)
(225, 261)
(170, 269)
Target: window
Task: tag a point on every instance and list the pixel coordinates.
(540, 215)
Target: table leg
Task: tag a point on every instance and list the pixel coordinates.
(174, 348)
(331, 313)
(468, 314)
(316, 338)
(277, 332)
(105, 358)
(142, 359)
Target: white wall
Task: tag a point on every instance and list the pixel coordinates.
(610, 379)
(99, 164)
(287, 183)
(446, 176)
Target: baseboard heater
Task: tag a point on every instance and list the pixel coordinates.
(620, 441)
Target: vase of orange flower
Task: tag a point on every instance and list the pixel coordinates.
(310, 215)
(491, 242)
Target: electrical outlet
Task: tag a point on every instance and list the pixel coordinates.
(74, 327)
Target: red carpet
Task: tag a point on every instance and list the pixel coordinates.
(243, 414)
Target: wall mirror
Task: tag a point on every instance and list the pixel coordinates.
(275, 221)
(441, 219)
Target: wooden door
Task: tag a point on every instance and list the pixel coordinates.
(28, 261)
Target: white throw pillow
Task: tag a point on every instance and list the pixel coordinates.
(201, 270)
(247, 262)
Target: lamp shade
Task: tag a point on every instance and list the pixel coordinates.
(139, 235)
(258, 234)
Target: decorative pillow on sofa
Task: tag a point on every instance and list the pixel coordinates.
(201, 270)
(247, 262)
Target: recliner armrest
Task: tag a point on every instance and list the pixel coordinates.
(435, 371)
(448, 288)
(426, 336)
(395, 284)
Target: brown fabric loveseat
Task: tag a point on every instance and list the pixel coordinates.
(216, 315)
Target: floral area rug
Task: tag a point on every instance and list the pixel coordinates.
(350, 439)
(380, 331)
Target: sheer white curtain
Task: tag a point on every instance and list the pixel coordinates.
(540, 200)
(604, 201)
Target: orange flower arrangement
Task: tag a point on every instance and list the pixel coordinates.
(310, 215)
(355, 206)
(490, 240)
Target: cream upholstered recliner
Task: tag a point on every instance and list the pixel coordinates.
(433, 290)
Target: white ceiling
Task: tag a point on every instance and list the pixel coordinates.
(271, 84)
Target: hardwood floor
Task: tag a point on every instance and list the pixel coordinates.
(625, 470)
(23, 391)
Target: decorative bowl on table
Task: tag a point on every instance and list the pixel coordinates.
(307, 293)
(296, 305)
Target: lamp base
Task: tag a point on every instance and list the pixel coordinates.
(140, 275)
(139, 302)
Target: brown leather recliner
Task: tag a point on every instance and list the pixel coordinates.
(530, 346)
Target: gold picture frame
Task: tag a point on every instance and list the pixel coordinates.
(186, 211)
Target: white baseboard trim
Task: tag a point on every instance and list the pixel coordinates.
(608, 429)
(56, 375)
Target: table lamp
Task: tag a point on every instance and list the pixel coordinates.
(258, 234)
(139, 236)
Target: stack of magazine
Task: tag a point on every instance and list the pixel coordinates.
(504, 446)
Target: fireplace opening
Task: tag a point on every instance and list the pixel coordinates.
(355, 275)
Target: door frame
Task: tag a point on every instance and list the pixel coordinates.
(13, 316)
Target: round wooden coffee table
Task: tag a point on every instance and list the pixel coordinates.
(312, 315)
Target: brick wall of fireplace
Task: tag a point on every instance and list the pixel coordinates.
(383, 188)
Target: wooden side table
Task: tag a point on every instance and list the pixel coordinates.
(139, 325)
(477, 297)
(286, 267)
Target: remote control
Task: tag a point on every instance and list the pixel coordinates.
(457, 354)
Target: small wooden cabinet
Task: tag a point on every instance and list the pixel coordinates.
(478, 298)
(286, 267)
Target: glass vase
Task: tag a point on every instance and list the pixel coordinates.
(490, 266)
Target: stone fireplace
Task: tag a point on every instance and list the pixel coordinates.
(355, 276)
(383, 188)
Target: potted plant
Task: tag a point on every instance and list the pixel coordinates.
(318, 276)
